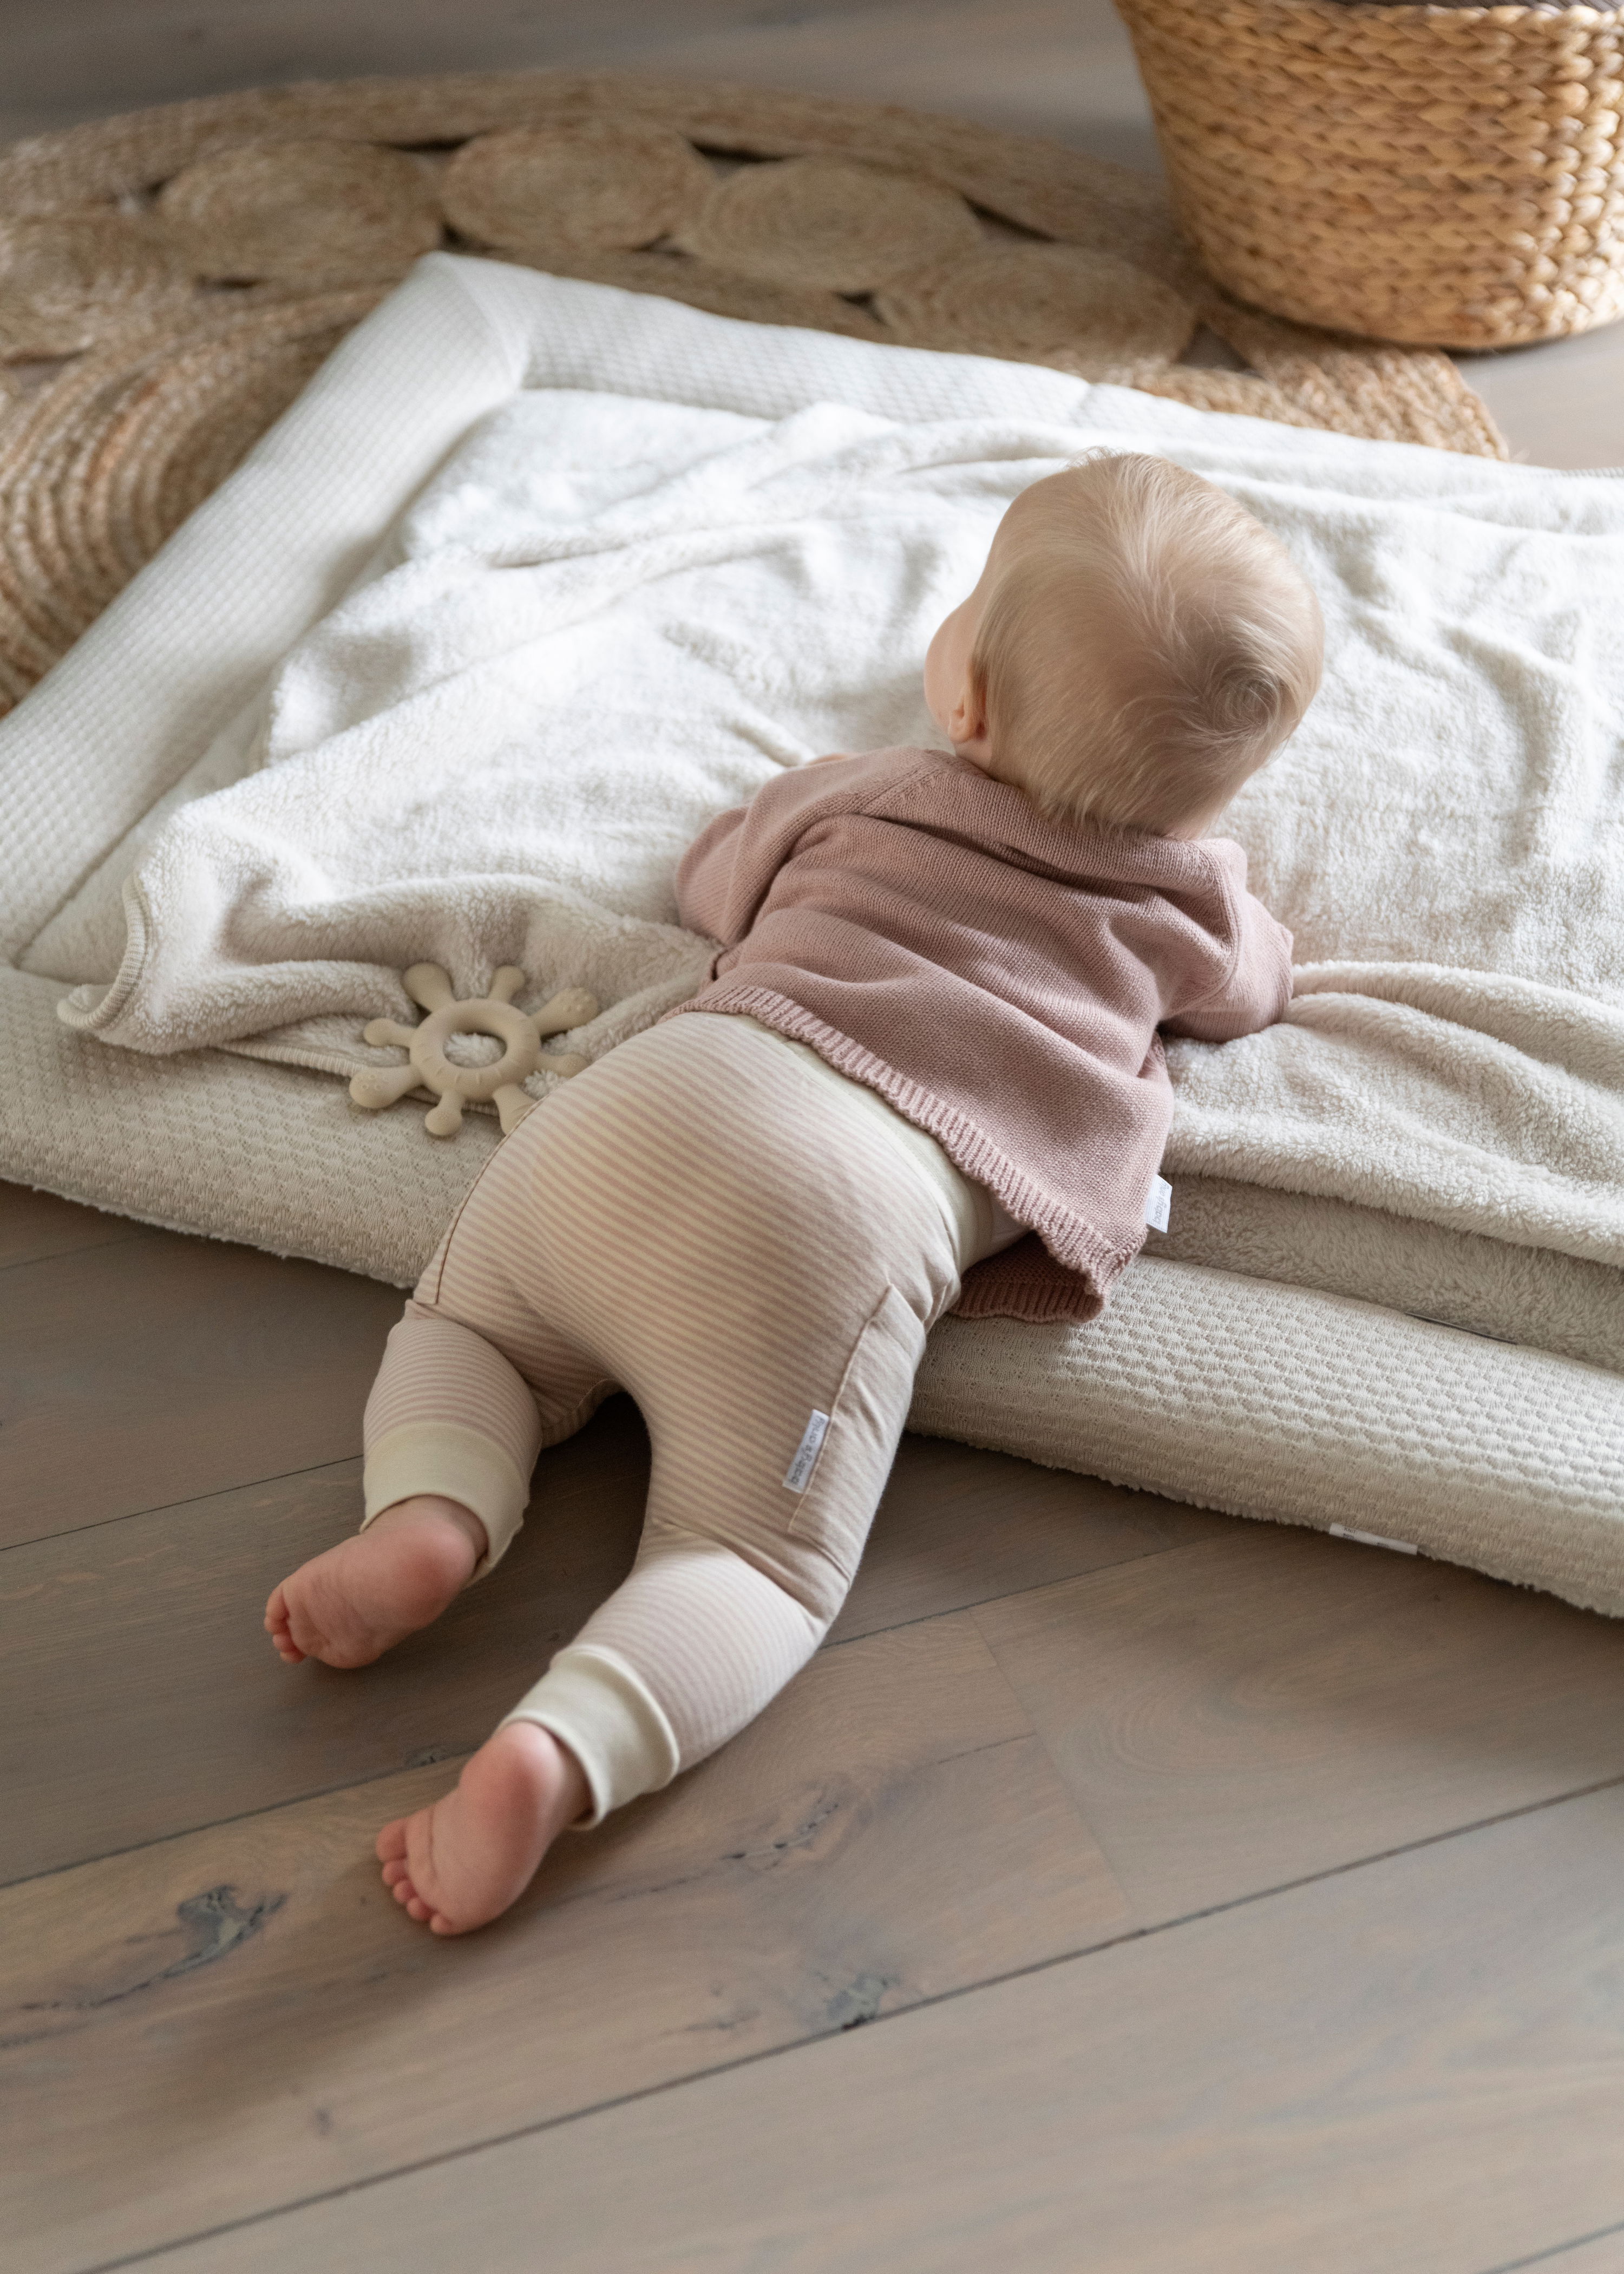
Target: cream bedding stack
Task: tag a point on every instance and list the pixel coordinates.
(538, 574)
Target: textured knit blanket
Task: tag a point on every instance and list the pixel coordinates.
(638, 587)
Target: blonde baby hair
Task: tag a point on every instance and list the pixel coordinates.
(1147, 644)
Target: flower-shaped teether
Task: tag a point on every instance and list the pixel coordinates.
(499, 1083)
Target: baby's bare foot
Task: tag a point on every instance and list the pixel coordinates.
(460, 1863)
(349, 1606)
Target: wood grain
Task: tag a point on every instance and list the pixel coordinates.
(957, 1527)
(1414, 2069)
(140, 1698)
(1237, 1715)
(1601, 2254)
(36, 1225)
(212, 2025)
(137, 1642)
(135, 1376)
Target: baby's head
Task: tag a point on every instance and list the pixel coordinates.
(1137, 646)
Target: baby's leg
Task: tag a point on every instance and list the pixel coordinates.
(683, 1656)
(768, 1316)
(452, 1430)
(687, 1651)
(764, 1486)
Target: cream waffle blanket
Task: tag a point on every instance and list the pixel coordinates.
(538, 576)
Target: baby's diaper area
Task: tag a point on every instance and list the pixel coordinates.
(538, 575)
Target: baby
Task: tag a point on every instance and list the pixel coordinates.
(926, 1076)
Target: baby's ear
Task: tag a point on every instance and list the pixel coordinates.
(966, 721)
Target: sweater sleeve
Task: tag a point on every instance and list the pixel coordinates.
(1257, 986)
(724, 876)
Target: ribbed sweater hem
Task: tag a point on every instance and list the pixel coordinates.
(1026, 1283)
(1014, 1285)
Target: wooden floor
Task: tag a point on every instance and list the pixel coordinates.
(1220, 1896)
(1124, 1889)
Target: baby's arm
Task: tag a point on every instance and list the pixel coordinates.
(1258, 986)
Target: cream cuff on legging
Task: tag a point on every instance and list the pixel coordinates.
(601, 1708)
(458, 1464)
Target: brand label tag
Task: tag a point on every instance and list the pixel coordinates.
(798, 1476)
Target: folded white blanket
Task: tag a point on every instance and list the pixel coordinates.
(659, 573)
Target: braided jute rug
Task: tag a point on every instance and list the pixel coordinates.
(171, 279)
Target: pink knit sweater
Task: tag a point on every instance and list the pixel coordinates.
(998, 977)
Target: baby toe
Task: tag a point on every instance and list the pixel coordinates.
(391, 1841)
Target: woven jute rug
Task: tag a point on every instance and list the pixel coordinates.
(170, 280)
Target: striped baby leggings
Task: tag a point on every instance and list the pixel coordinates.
(713, 1220)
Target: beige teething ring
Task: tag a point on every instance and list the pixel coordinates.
(501, 1084)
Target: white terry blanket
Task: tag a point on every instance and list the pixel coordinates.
(650, 579)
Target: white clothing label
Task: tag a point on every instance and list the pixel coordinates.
(1374, 1539)
(1159, 1207)
(798, 1476)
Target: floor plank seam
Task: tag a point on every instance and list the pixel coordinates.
(1014, 1594)
(171, 1507)
(461, 1753)
(918, 2006)
(1557, 2249)
(241, 1816)
(79, 1247)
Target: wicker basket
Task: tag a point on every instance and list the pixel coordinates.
(1450, 175)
